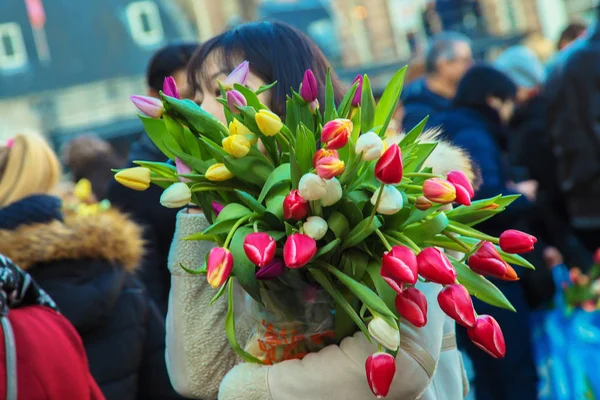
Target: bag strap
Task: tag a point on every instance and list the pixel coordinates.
(11, 359)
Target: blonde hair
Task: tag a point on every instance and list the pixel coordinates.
(29, 166)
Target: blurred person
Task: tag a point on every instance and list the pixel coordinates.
(86, 264)
(482, 109)
(573, 31)
(447, 58)
(144, 207)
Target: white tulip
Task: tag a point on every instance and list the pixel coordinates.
(312, 187)
(385, 334)
(391, 200)
(315, 227)
(370, 145)
(333, 192)
(176, 196)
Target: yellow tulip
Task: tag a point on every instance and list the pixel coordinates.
(83, 189)
(237, 128)
(268, 122)
(137, 178)
(236, 145)
(218, 172)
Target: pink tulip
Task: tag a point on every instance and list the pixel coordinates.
(150, 106)
(381, 369)
(330, 167)
(324, 153)
(239, 75)
(388, 169)
(458, 178)
(234, 100)
(259, 248)
(399, 266)
(336, 133)
(219, 266)
(435, 266)
(295, 207)
(358, 95)
(298, 250)
(439, 191)
(412, 306)
(272, 270)
(462, 196)
(487, 335)
(309, 89)
(517, 242)
(182, 169)
(170, 87)
(217, 208)
(487, 261)
(456, 302)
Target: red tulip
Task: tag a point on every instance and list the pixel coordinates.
(309, 89)
(389, 166)
(462, 196)
(517, 242)
(458, 178)
(456, 302)
(298, 250)
(219, 266)
(324, 153)
(259, 248)
(295, 207)
(487, 261)
(412, 306)
(358, 95)
(435, 266)
(272, 270)
(381, 369)
(399, 266)
(170, 87)
(487, 335)
(336, 133)
(330, 167)
(439, 191)
(597, 257)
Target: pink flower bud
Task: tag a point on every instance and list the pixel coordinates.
(456, 302)
(487, 335)
(323, 153)
(239, 75)
(381, 369)
(298, 250)
(330, 167)
(295, 207)
(309, 89)
(272, 270)
(150, 106)
(217, 208)
(517, 242)
(170, 87)
(412, 306)
(219, 266)
(422, 203)
(487, 261)
(234, 100)
(388, 169)
(458, 178)
(182, 169)
(462, 196)
(435, 266)
(399, 266)
(259, 248)
(336, 133)
(439, 191)
(358, 95)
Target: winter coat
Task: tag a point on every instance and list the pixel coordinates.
(420, 102)
(429, 365)
(86, 264)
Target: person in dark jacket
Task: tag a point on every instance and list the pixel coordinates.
(483, 106)
(144, 207)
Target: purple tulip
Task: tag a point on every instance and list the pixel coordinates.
(238, 75)
(170, 87)
(309, 89)
(150, 106)
(182, 169)
(217, 208)
(358, 94)
(272, 270)
(234, 100)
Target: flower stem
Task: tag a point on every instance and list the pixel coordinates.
(213, 189)
(411, 187)
(383, 239)
(379, 196)
(476, 235)
(409, 242)
(255, 226)
(456, 240)
(471, 252)
(235, 228)
(421, 175)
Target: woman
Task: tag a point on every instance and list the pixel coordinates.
(198, 354)
(86, 264)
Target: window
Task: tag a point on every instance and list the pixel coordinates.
(12, 48)
(144, 22)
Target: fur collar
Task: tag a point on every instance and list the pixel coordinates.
(109, 236)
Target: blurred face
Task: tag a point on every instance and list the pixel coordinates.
(504, 108)
(453, 70)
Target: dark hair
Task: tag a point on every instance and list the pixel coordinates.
(570, 33)
(275, 51)
(441, 46)
(481, 82)
(166, 61)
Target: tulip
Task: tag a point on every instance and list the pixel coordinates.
(268, 122)
(234, 100)
(391, 200)
(237, 128)
(259, 248)
(358, 95)
(389, 167)
(312, 187)
(295, 207)
(217, 208)
(314, 106)
(137, 178)
(411, 305)
(511, 274)
(176, 196)
(309, 89)
(487, 261)
(315, 227)
(462, 196)
(516, 242)
(150, 106)
(487, 335)
(272, 270)
(236, 145)
(239, 75)
(439, 191)
(422, 203)
(458, 178)
(324, 153)
(298, 250)
(333, 192)
(218, 172)
(399, 266)
(10, 142)
(385, 334)
(83, 190)
(330, 167)
(170, 87)
(219, 266)
(381, 369)
(182, 169)
(370, 146)
(336, 133)
(597, 257)
(456, 302)
(435, 266)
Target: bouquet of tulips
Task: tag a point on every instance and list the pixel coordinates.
(321, 202)
(583, 290)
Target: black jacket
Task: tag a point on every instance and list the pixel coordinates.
(420, 102)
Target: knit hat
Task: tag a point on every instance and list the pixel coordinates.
(522, 66)
(36, 209)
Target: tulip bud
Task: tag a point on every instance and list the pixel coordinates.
(358, 95)
(309, 89)
(170, 87)
(385, 334)
(487, 261)
(295, 207)
(218, 172)
(314, 106)
(219, 266)
(411, 305)
(324, 153)
(511, 274)
(462, 196)
(176, 196)
(238, 75)
(399, 266)
(597, 257)
(381, 369)
(435, 266)
(268, 122)
(237, 128)
(456, 302)
(516, 242)
(137, 178)
(259, 248)
(389, 167)
(236, 145)
(182, 169)
(272, 270)
(439, 191)
(312, 187)
(422, 203)
(330, 167)
(217, 208)
(315, 227)
(391, 200)
(458, 178)
(333, 192)
(150, 106)
(83, 190)
(487, 335)
(370, 145)
(336, 133)
(298, 250)
(234, 100)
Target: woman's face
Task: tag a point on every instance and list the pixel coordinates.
(207, 97)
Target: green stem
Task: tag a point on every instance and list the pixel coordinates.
(235, 228)
(164, 180)
(457, 241)
(421, 175)
(471, 252)
(379, 196)
(411, 187)
(255, 226)
(476, 235)
(409, 242)
(316, 208)
(383, 239)
(285, 140)
(213, 189)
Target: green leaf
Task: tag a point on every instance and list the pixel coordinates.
(194, 163)
(247, 118)
(414, 133)
(346, 105)
(351, 211)
(201, 236)
(420, 155)
(162, 169)
(355, 263)
(252, 169)
(338, 225)
(192, 145)
(160, 136)
(227, 219)
(330, 111)
(251, 97)
(389, 101)
(243, 269)
(383, 289)
(279, 174)
(305, 148)
(218, 295)
(199, 271)
(174, 128)
(361, 231)
(251, 202)
(264, 88)
(367, 106)
(419, 232)
(202, 121)
(329, 247)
